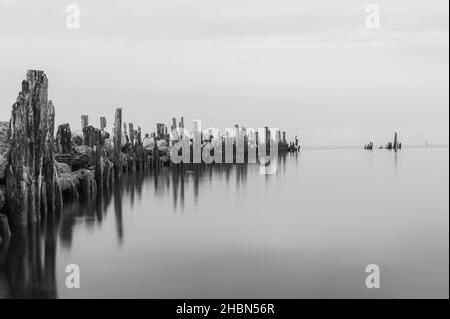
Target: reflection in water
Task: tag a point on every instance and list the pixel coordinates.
(28, 259)
(27, 262)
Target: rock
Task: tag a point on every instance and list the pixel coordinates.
(161, 143)
(109, 147)
(63, 168)
(75, 160)
(86, 151)
(163, 150)
(148, 143)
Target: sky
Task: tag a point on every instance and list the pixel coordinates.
(311, 68)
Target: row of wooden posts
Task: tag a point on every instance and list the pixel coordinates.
(38, 168)
(395, 145)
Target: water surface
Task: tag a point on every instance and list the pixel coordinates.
(307, 231)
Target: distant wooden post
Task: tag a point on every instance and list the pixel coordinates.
(160, 130)
(84, 121)
(117, 142)
(131, 129)
(395, 141)
(139, 136)
(125, 129)
(64, 139)
(103, 123)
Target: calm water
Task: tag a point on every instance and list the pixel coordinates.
(306, 232)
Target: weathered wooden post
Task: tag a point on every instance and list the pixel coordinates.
(84, 121)
(395, 141)
(160, 130)
(64, 139)
(103, 123)
(131, 129)
(125, 133)
(99, 167)
(92, 136)
(53, 195)
(267, 137)
(31, 137)
(117, 142)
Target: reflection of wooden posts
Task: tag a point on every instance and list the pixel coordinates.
(117, 142)
(84, 121)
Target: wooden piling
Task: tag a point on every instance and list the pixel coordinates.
(103, 123)
(117, 142)
(64, 139)
(32, 122)
(84, 121)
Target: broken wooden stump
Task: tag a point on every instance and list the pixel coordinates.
(64, 139)
(32, 118)
(92, 136)
(99, 166)
(84, 121)
(103, 123)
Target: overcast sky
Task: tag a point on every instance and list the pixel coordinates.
(310, 67)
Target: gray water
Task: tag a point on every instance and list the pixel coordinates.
(307, 231)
